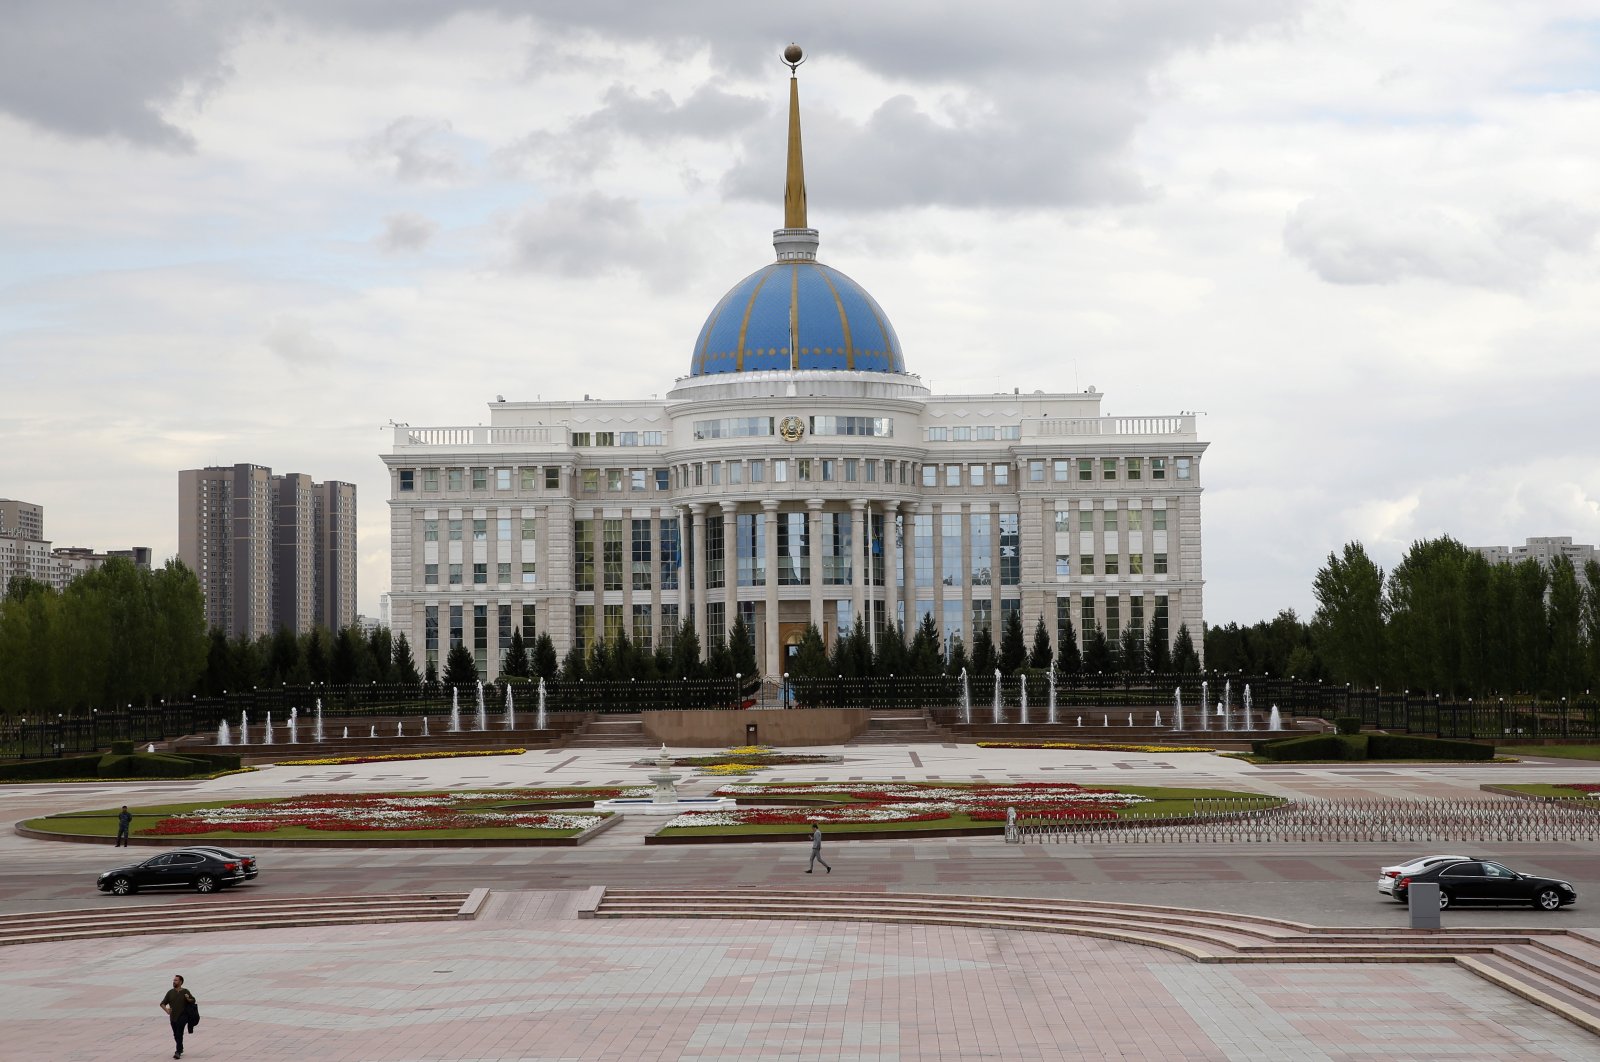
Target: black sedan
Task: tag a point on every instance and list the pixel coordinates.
(197, 868)
(247, 863)
(1480, 881)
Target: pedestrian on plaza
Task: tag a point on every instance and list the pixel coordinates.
(124, 820)
(181, 1011)
(816, 850)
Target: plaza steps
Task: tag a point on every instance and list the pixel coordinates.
(1554, 968)
(225, 912)
(612, 730)
(901, 726)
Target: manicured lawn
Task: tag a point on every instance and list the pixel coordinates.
(1559, 752)
(1541, 789)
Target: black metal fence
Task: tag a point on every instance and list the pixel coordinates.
(1507, 720)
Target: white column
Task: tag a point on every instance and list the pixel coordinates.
(730, 565)
(774, 653)
(891, 561)
(858, 575)
(814, 522)
(698, 510)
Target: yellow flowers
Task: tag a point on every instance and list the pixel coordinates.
(750, 750)
(1089, 746)
(731, 768)
(337, 761)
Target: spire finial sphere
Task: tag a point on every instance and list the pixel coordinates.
(793, 56)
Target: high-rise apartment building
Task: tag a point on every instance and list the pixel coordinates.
(266, 550)
(20, 519)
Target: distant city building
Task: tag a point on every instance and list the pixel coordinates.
(20, 519)
(798, 475)
(1544, 550)
(73, 561)
(269, 551)
(24, 551)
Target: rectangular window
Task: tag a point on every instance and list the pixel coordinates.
(1086, 620)
(480, 530)
(715, 471)
(1063, 566)
(480, 575)
(802, 469)
(611, 548)
(1086, 521)
(642, 636)
(952, 475)
(851, 469)
(837, 531)
(1063, 623)
(502, 479)
(530, 573)
(1010, 549)
(582, 626)
(735, 473)
(480, 479)
(1036, 471)
(455, 575)
(716, 555)
(871, 471)
(751, 532)
(503, 572)
(669, 625)
(1158, 520)
(430, 479)
(1002, 475)
(529, 623)
(950, 569)
(638, 480)
(828, 470)
(408, 480)
(716, 622)
(985, 433)
(1135, 520)
(733, 428)
(1161, 619)
(583, 554)
(613, 631)
(613, 479)
(961, 434)
(528, 531)
(1136, 564)
(430, 575)
(780, 470)
(640, 554)
(430, 530)
(922, 548)
(671, 558)
(529, 477)
(1113, 620)
(662, 482)
(978, 544)
(505, 629)
(1111, 519)
(502, 529)
(430, 631)
(591, 480)
(1158, 468)
(582, 438)
(1160, 564)
(1112, 564)
(1086, 564)
(930, 475)
(758, 471)
(1085, 469)
(457, 631)
(1135, 468)
(977, 474)
(982, 618)
(794, 550)
(1063, 521)
(455, 478)
(552, 477)
(1181, 467)
(1060, 470)
(1108, 468)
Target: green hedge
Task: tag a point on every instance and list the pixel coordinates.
(152, 765)
(214, 761)
(1348, 724)
(66, 767)
(1314, 747)
(1407, 747)
(122, 748)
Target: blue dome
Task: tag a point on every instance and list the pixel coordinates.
(833, 322)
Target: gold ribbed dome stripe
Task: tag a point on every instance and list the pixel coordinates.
(794, 317)
(844, 320)
(744, 323)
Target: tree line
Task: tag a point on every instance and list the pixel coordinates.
(1445, 620)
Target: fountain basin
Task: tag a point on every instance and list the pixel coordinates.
(647, 806)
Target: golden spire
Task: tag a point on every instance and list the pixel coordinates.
(794, 186)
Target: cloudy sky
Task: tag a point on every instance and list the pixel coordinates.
(1359, 236)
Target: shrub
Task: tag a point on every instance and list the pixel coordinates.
(1407, 747)
(66, 767)
(122, 748)
(152, 765)
(1314, 747)
(214, 761)
(1348, 724)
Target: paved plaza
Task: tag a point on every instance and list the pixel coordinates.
(528, 980)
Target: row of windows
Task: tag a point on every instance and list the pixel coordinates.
(974, 475)
(1111, 564)
(1089, 520)
(617, 438)
(640, 566)
(800, 469)
(456, 529)
(642, 633)
(879, 427)
(975, 433)
(617, 479)
(734, 428)
(456, 479)
(504, 572)
(1083, 469)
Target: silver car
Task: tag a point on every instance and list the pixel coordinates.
(1387, 876)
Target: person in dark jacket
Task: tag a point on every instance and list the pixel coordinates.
(816, 850)
(177, 1003)
(124, 820)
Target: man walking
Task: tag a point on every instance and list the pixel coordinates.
(816, 850)
(124, 820)
(177, 1003)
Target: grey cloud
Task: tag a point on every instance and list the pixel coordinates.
(1344, 242)
(406, 232)
(593, 234)
(291, 339)
(88, 70)
(413, 147)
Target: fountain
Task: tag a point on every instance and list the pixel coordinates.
(317, 733)
(1105, 720)
(244, 728)
(1177, 707)
(511, 709)
(1275, 721)
(966, 698)
(399, 728)
(1080, 720)
(540, 721)
(1052, 676)
(294, 726)
(372, 734)
(666, 799)
(1249, 724)
(424, 726)
(1205, 700)
(223, 737)
(455, 710)
(268, 739)
(999, 712)
(1022, 683)
(483, 713)
(347, 733)
(1130, 720)
(1158, 717)
(1227, 715)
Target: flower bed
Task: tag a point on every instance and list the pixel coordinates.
(1088, 746)
(732, 768)
(1586, 788)
(334, 761)
(367, 812)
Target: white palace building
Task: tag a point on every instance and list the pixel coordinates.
(798, 474)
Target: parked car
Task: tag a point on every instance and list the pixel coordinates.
(201, 870)
(246, 862)
(1481, 881)
(1387, 876)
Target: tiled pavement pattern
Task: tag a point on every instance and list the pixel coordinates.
(530, 982)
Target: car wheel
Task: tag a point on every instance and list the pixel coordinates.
(1444, 900)
(205, 883)
(1547, 900)
(122, 887)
